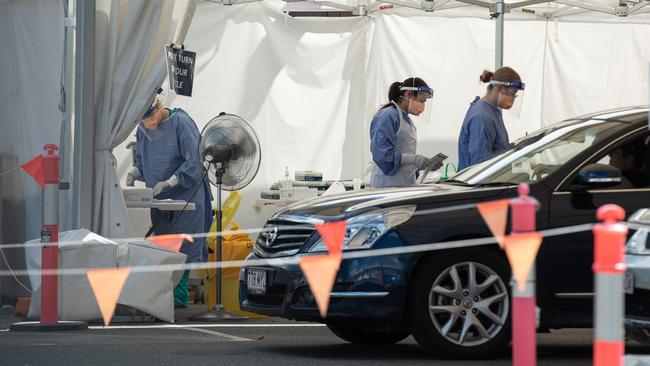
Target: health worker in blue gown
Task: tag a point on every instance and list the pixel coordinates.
(483, 134)
(393, 135)
(166, 157)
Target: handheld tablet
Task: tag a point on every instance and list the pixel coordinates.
(437, 159)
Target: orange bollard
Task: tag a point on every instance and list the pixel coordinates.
(609, 268)
(50, 236)
(524, 342)
(47, 174)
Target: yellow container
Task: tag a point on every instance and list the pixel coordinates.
(235, 246)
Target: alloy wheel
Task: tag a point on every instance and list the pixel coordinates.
(468, 303)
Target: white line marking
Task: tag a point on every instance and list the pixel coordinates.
(169, 326)
(4, 330)
(219, 334)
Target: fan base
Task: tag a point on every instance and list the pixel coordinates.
(216, 315)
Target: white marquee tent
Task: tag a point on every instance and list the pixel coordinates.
(308, 85)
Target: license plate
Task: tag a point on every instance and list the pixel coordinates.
(628, 285)
(256, 281)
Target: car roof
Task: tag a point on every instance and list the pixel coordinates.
(629, 117)
(625, 114)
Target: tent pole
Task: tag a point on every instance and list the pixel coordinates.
(83, 182)
(187, 8)
(498, 50)
(65, 106)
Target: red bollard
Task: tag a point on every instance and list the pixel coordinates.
(50, 234)
(609, 269)
(524, 342)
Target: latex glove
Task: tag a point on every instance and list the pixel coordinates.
(420, 161)
(166, 185)
(160, 187)
(131, 176)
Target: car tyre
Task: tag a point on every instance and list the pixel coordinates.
(357, 335)
(451, 314)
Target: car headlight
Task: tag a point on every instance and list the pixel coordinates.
(364, 230)
(638, 243)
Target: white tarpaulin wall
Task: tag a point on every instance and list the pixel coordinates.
(309, 86)
(30, 72)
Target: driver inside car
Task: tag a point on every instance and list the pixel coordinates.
(629, 160)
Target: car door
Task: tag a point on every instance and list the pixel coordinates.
(571, 278)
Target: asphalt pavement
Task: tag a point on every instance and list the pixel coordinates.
(253, 342)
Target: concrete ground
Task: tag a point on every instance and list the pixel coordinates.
(258, 341)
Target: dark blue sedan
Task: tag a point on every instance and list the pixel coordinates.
(456, 302)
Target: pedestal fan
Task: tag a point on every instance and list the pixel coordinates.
(230, 150)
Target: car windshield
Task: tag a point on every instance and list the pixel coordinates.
(539, 154)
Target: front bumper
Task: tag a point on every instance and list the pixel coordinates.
(365, 289)
(639, 266)
(637, 304)
(637, 329)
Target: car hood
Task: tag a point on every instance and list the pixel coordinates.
(342, 206)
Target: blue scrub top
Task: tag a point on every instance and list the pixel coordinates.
(173, 150)
(483, 135)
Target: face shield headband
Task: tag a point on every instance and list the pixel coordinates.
(419, 89)
(509, 84)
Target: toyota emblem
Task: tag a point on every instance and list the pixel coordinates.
(271, 235)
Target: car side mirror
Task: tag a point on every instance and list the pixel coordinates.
(641, 216)
(599, 176)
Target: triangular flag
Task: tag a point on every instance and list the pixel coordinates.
(521, 250)
(320, 272)
(495, 215)
(333, 233)
(171, 242)
(34, 168)
(107, 285)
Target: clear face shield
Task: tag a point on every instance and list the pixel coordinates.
(149, 124)
(152, 134)
(418, 102)
(511, 96)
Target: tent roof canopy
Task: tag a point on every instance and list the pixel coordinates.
(532, 8)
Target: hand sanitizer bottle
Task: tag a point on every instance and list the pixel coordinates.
(287, 182)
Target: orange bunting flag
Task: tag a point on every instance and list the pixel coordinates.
(107, 285)
(521, 250)
(333, 233)
(495, 215)
(34, 168)
(320, 272)
(171, 242)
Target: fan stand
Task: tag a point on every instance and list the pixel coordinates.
(218, 313)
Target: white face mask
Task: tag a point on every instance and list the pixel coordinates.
(415, 107)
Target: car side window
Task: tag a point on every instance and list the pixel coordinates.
(631, 157)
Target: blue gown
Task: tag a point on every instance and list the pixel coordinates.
(483, 135)
(173, 150)
(392, 133)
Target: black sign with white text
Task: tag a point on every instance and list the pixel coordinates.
(180, 68)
